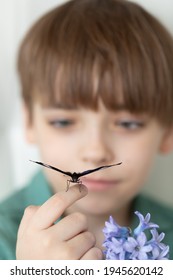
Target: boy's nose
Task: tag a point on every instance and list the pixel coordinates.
(97, 150)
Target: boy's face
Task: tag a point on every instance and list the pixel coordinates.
(79, 139)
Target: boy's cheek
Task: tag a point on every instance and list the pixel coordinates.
(166, 145)
(29, 132)
(30, 136)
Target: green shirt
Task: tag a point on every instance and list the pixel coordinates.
(38, 191)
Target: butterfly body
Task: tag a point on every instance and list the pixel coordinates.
(75, 176)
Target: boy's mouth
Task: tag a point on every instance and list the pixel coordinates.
(99, 184)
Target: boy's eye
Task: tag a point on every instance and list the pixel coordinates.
(61, 123)
(131, 125)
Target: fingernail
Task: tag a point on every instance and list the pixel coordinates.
(83, 188)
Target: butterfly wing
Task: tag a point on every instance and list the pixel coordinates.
(52, 167)
(96, 169)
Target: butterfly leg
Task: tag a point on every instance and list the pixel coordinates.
(80, 184)
(68, 185)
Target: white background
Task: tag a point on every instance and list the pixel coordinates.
(15, 18)
(86, 269)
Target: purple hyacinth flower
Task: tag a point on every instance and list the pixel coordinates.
(157, 238)
(115, 249)
(144, 223)
(112, 229)
(123, 244)
(160, 251)
(158, 254)
(138, 247)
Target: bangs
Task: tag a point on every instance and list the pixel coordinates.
(108, 50)
(125, 74)
(83, 82)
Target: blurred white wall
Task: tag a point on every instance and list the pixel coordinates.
(15, 169)
(15, 18)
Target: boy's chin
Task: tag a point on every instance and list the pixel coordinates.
(95, 206)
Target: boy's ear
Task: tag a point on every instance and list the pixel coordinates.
(28, 125)
(167, 142)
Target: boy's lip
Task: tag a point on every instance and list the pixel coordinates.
(99, 184)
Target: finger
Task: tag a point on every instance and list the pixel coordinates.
(27, 216)
(79, 245)
(54, 207)
(93, 254)
(69, 226)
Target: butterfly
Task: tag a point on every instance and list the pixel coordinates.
(75, 176)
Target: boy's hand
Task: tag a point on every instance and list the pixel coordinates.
(39, 238)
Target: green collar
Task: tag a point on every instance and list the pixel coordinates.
(39, 189)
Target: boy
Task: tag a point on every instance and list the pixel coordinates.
(97, 85)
